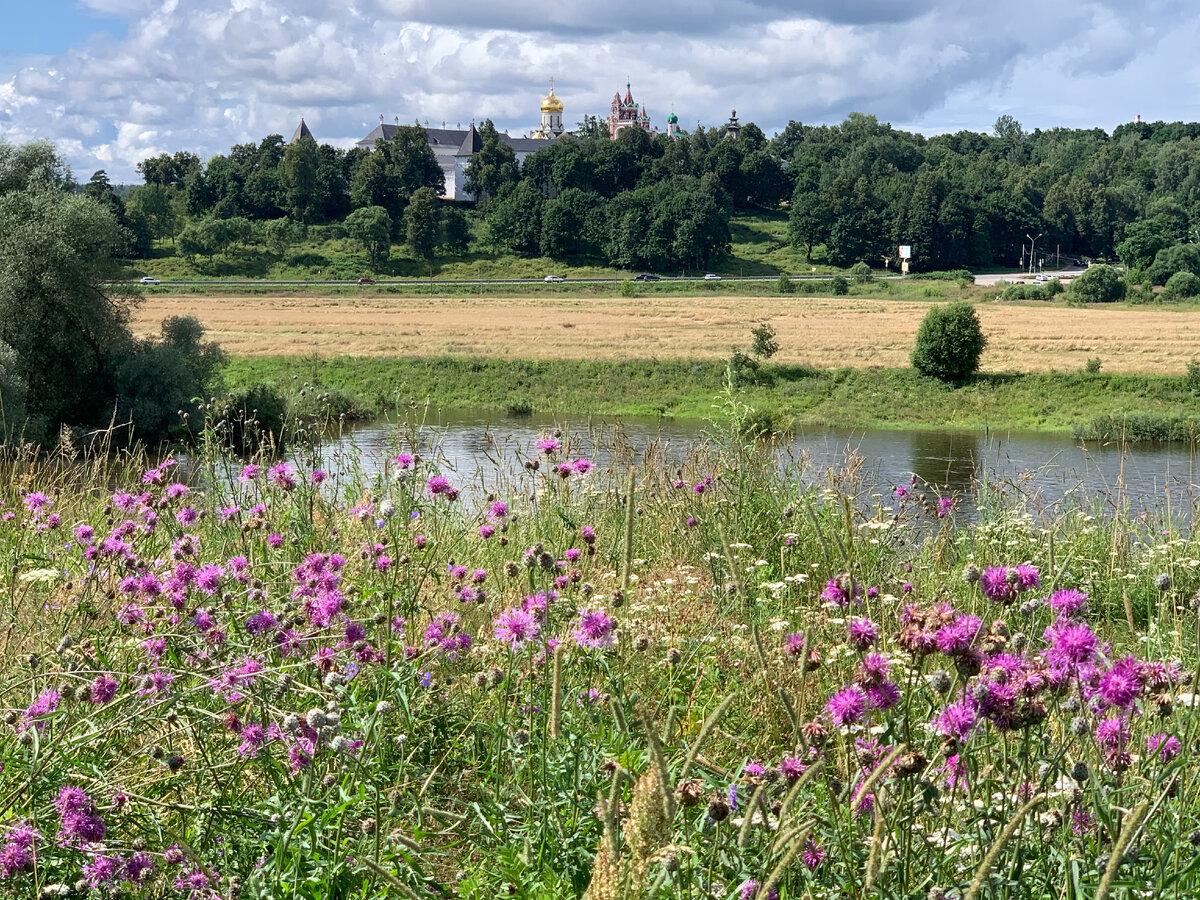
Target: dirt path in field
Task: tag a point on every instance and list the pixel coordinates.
(826, 332)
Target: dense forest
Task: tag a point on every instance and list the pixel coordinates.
(853, 192)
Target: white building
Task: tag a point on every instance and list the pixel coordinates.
(454, 147)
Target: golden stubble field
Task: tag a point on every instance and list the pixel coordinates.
(823, 331)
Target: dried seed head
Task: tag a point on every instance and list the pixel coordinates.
(689, 792)
(718, 807)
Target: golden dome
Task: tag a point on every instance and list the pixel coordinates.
(552, 104)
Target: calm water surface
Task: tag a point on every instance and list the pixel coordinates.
(482, 447)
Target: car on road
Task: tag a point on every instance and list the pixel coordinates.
(711, 277)
(366, 281)
(146, 279)
(645, 276)
(553, 279)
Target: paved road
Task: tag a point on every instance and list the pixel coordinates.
(982, 279)
(1021, 278)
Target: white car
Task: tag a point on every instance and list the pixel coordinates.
(711, 277)
(554, 278)
(146, 279)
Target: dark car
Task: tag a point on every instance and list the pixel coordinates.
(645, 276)
(366, 281)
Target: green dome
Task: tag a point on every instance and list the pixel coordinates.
(672, 118)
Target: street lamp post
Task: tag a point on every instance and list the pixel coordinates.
(1032, 245)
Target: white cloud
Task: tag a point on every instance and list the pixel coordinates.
(206, 74)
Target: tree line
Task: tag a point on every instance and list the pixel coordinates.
(851, 192)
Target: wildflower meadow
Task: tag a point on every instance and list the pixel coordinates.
(715, 677)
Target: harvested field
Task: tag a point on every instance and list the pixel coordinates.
(826, 332)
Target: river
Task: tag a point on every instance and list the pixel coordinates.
(481, 448)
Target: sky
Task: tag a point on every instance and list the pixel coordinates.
(113, 82)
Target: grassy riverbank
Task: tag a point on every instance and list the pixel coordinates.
(722, 680)
(786, 394)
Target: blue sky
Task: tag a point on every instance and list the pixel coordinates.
(51, 26)
(112, 82)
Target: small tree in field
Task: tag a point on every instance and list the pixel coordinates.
(765, 346)
(949, 342)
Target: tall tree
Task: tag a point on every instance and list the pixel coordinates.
(494, 167)
(372, 228)
(298, 181)
(422, 222)
(59, 309)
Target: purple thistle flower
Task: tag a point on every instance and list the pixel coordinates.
(594, 630)
(1166, 746)
(882, 696)
(813, 853)
(208, 579)
(1071, 645)
(841, 589)
(18, 853)
(863, 633)
(548, 445)
(139, 867)
(995, 585)
(515, 627)
(79, 822)
(1027, 577)
(945, 507)
(958, 720)
(1118, 687)
(847, 706)
(748, 890)
(45, 704)
(103, 689)
(1067, 602)
(793, 644)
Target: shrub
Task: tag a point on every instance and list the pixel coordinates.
(1182, 285)
(785, 284)
(1092, 366)
(1192, 378)
(860, 273)
(251, 419)
(1099, 284)
(839, 286)
(958, 275)
(949, 342)
(765, 346)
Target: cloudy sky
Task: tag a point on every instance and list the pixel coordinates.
(115, 81)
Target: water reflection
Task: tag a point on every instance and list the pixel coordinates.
(948, 460)
(483, 447)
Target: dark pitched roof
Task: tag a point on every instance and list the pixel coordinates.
(471, 143)
(301, 132)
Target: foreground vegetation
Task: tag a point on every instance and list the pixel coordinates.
(784, 395)
(713, 678)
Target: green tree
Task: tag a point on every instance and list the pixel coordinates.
(153, 202)
(1182, 286)
(13, 391)
(422, 222)
(455, 235)
(1099, 284)
(764, 344)
(372, 228)
(299, 181)
(493, 168)
(1177, 258)
(1142, 242)
(389, 175)
(808, 221)
(949, 342)
(280, 235)
(59, 310)
(514, 220)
